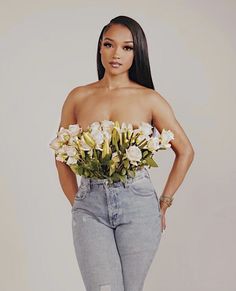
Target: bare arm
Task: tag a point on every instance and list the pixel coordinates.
(163, 117)
(66, 176)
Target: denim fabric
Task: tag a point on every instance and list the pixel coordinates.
(116, 232)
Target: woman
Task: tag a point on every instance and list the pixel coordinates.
(117, 228)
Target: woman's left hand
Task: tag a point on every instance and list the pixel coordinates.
(163, 218)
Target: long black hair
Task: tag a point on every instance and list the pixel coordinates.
(140, 71)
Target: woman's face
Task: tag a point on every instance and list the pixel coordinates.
(117, 46)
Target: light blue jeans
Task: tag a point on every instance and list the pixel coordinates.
(116, 232)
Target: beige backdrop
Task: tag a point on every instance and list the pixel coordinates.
(48, 48)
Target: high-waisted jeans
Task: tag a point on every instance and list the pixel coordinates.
(116, 231)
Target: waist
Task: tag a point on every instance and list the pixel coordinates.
(139, 174)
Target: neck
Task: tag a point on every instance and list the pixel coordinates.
(112, 82)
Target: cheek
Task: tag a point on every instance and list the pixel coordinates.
(129, 60)
(104, 54)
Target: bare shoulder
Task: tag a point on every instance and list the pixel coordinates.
(163, 117)
(73, 98)
(80, 91)
(157, 99)
(77, 94)
(161, 107)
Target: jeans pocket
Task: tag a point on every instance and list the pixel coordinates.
(81, 194)
(142, 187)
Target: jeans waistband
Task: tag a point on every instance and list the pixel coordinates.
(140, 173)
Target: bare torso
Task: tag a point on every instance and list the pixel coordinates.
(129, 105)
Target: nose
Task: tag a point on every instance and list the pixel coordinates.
(117, 54)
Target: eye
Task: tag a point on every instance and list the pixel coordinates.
(129, 48)
(106, 43)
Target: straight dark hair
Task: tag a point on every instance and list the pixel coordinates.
(140, 71)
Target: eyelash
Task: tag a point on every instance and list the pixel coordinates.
(106, 43)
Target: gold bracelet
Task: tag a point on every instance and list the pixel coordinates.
(166, 199)
(165, 202)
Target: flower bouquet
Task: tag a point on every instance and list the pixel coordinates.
(108, 150)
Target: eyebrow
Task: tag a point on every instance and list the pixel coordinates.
(113, 40)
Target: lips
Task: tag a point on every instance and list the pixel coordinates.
(115, 63)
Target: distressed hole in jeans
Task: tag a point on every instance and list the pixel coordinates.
(105, 287)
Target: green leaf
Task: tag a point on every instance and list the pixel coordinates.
(123, 171)
(110, 171)
(74, 168)
(145, 153)
(115, 177)
(122, 178)
(126, 163)
(131, 173)
(80, 171)
(151, 162)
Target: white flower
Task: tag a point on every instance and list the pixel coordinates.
(70, 151)
(126, 127)
(71, 161)
(61, 154)
(155, 132)
(134, 153)
(142, 137)
(63, 134)
(73, 140)
(62, 150)
(130, 126)
(107, 125)
(97, 135)
(145, 128)
(153, 144)
(95, 126)
(70, 145)
(74, 129)
(55, 144)
(83, 145)
(165, 137)
(129, 129)
(60, 158)
(107, 135)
